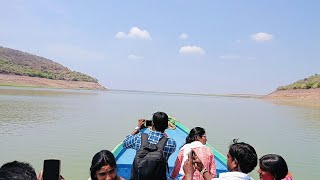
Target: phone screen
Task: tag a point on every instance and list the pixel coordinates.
(148, 123)
(51, 169)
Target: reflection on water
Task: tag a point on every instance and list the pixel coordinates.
(73, 125)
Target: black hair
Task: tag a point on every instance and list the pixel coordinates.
(275, 165)
(16, 170)
(194, 133)
(100, 159)
(244, 154)
(160, 121)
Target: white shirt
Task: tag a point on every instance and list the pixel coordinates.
(186, 150)
(233, 176)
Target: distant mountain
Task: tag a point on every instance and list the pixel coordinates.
(306, 83)
(15, 62)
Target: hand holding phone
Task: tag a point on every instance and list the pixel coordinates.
(148, 123)
(192, 155)
(51, 169)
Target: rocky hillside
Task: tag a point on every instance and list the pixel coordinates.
(15, 62)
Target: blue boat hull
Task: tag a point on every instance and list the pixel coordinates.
(125, 157)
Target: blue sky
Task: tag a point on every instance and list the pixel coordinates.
(178, 46)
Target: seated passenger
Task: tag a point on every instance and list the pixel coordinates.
(17, 171)
(196, 141)
(273, 167)
(104, 167)
(241, 160)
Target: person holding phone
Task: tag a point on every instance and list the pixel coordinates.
(241, 160)
(104, 167)
(51, 170)
(159, 125)
(160, 122)
(195, 143)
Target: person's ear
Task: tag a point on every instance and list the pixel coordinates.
(235, 163)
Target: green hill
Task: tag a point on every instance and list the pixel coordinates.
(16, 62)
(306, 83)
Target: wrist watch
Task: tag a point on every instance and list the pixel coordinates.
(204, 170)
(137, 128)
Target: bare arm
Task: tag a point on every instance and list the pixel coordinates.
(139, 127)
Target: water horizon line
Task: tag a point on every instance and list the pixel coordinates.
(241, 95)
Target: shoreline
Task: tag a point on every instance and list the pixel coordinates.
(36, 82)
(296, 97)
(305, 95)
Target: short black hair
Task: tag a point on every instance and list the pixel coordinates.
(275, 165)
(160, 121)
(245, 155)
(102, 158)
(16, 170)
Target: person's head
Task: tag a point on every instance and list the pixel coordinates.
(241, 157)
(17, 171)
(197, 134)
(160, 121)
(103, 166)
(272, 167)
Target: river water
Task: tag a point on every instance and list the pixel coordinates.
(72, 125)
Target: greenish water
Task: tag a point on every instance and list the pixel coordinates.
(36, 124)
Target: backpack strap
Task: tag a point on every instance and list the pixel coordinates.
(162, 142)
(160, 146)
(144, 140)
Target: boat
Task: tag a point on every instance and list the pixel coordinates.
(124, 157)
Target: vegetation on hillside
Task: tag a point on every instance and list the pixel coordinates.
(306, 83)
(24, 64)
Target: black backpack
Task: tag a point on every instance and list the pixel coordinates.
(149, 162)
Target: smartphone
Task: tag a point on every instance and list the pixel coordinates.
(192, 154)
(148, 123)
(51, 169)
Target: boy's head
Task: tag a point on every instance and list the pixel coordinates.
(17, 171)
(241, 157)
(160, 121)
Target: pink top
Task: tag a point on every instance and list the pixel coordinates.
(288, 177)
(205, 154)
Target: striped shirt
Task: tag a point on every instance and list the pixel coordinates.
(134, 142)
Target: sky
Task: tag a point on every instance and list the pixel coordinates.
(218, 47)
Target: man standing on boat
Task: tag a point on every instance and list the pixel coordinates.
(159, 125)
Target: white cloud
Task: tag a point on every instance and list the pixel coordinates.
(191, 50)
(261, 37)
(132, 56)
(183, 36)
(134, 33)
